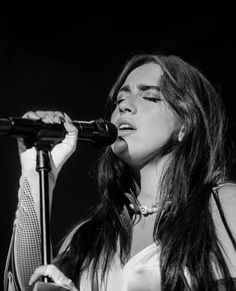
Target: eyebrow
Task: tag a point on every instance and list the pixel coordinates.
(126, 88)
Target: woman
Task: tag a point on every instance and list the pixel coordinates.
(167, 216)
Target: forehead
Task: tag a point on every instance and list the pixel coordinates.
(148, 74)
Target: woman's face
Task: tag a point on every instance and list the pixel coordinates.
(143, 118)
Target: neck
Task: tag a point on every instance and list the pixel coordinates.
(148, 180)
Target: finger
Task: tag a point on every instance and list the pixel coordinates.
(69, 126)
(41, 113)
(58, 117)
(45, 116)
(40, 271)
(51, 116)
(60, 114)
(31, 115)
(59, 278)
(67, 117)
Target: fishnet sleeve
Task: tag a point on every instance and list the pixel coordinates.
(25, 247)
(27, 237)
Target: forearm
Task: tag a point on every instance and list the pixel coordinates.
(27, 240)
(26, 249)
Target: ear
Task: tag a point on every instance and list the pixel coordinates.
(181, 133)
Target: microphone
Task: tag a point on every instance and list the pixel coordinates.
(98, 132)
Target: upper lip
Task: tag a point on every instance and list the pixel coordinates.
(122, 120)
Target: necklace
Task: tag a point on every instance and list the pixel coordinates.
(148, 210)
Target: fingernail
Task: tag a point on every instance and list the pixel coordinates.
(66, 116)
(62, 119)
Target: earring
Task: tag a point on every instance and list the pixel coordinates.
(181, 134)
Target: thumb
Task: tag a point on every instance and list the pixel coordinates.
(62, 151)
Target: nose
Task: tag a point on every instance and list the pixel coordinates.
(128, 105)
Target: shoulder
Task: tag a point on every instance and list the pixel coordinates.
(226, 189)
(226, 194)
(224, 217)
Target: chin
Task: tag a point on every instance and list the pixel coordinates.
(120, 147)
(129, 154)
(131, 160)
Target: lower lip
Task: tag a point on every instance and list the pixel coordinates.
(125, 132)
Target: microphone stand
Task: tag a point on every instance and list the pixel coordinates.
(43, 167)
(43, 137)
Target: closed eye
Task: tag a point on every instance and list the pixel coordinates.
(117, 102)
(152, 99)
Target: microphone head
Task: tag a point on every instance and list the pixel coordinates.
(107, 133)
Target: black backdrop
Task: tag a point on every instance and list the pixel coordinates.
(65, 58)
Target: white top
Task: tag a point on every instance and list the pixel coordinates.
(140, 273)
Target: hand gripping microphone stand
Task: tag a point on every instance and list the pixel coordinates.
(44, 137)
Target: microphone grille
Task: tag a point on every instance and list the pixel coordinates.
(107, 133)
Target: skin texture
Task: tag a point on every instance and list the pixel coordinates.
(141, 104)
(147, 112)
(153, 123)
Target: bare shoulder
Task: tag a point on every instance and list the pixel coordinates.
(227, 188)
(227, 197)
(226, 194)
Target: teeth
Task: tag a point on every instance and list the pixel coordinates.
(125, 126)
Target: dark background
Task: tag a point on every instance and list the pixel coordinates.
(65, 57)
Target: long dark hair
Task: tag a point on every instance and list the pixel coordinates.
(185, 230)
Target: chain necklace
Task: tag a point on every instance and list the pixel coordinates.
(148, 210)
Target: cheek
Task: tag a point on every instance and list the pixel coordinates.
(162, 124)
(113, 116)
(158, 131)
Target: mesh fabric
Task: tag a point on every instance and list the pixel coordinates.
(27, 240)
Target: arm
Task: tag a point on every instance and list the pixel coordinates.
(25, 248)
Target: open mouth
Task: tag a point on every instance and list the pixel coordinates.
(123, 127)
(124, 130)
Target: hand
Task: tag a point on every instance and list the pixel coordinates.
(55, 274)
(60, 153)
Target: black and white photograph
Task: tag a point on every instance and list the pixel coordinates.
(118, 147)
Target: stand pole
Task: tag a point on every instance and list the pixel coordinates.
(43, 167)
